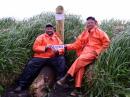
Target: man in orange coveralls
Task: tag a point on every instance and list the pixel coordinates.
(89, 44)
(43, 54)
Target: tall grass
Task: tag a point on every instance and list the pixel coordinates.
(114, 26)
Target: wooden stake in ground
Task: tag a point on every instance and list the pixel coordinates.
(59, 17)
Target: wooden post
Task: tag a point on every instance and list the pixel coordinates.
(59, 17)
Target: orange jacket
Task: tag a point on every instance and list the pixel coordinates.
(41, 42)
(94, 41)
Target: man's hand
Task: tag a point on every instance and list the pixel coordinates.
(52, 48)
(48, 47)
(65, 46)
(55, 51)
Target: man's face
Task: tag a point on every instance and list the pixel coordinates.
(90, 24)
(49, 30)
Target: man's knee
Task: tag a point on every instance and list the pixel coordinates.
(61, 61)
(61, 58)
(36, 62)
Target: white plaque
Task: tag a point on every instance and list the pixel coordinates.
(59, 16)
(57, 47)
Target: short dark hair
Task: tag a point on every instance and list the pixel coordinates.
(91, 18)
(49, 25)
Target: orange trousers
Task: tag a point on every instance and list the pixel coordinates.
(78, 67)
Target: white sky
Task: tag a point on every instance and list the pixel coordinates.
(100, 9)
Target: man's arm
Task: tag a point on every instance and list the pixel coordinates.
(76, 45)
(37, 46)
(105, 40)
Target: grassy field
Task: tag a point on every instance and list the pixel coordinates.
(112, 69)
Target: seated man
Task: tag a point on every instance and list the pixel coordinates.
(89, 45)
(44, 54)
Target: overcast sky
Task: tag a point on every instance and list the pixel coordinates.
(101, 9)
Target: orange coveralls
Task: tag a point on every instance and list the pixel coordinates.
(89, 45)
(42, 41)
